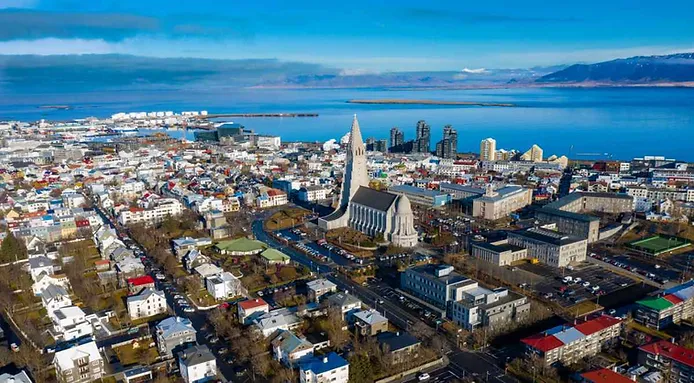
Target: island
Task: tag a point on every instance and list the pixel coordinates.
(428, 102)
(59, 107)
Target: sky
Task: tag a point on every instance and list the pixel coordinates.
(357, 35)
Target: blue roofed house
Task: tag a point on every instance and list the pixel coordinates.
(330, 368)
(399, 346)
(173, 333)
(289, 349)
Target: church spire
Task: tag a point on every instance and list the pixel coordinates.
(356, 143)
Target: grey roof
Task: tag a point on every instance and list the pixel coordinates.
(396, 341)
(502, 193)
(320, 284)
(567, 214)
(500, 248)
(429, 270)
(53, 292)
(172, 325)
(343, 299)
(409, 189)
(569, 335)
(195, 355)
(144, 294)
(463, 188)
(40, 261)
(370, 317)
(547, 236)
(373, 198)
(20, 377)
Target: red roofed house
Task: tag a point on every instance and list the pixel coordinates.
(604, 375)
(250, 307)
(669, 358)
(137, 284)
(570, 344)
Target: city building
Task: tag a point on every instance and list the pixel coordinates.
(329, 368)
(488, 149)
(312, 193)
(163, 208)
(481, 307)
(676, 362)
(223, 285)
(279, 319)
(604, 375)
(461, 192)
(69, 323)
(19, 377)
(139, 374)
(419, 196)
(497, 204)
(670, 307)
(534, 154)
(345, 302)
(500, 253)
(423, 138)
(319, 287)
(550, 247)
(80, 363)
(435, 284)
(568, 344)
(370, 211)
(397, 140)
(197, 364)
(173, 334)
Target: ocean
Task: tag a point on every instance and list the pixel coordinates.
(618, 123)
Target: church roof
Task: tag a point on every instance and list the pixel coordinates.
(404, 206)
(373, 198)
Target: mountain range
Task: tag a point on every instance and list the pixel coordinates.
(36, 74)
(675, 68)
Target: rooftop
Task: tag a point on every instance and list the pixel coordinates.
(375, 199)
(670, 350)
(605, 375)
(241, 244)
(429, 272)
(329, 362)
(547, 236)
(397, 340)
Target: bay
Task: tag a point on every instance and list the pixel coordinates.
(618, 123)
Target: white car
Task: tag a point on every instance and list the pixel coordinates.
(160, 276)
(188, 310)
(586, 284)
(423, 377)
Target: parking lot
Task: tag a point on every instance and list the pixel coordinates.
(414, 308)
(656, 271)
(584, 282)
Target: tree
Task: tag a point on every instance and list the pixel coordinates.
(12, 249)
(360, 369)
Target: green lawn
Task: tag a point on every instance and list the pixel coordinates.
(658, 244)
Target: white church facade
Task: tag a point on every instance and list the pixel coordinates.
(367, 210)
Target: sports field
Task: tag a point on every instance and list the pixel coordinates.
(658, 244)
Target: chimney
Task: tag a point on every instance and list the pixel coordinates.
(325, 359)
(256, 300)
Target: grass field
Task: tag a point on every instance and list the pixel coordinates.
(657, 244)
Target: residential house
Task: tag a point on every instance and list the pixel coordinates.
(137, 284)
(19, 377)
(223, 285)
(197, 364)
(40, 265)
(80, 363)
(274, 257)
(251, 308)
(194, 258)
(70, 322)
(173, 333)
(319, 287)
(370, 322)
(399, 346)
(149, 302)
(345, 302)
(289, 349)
(55, 297)
(280, 319)
(137, 374)
(46, 280)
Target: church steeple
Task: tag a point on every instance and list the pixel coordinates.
(356, 143)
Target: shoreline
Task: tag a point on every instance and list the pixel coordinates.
(427, 102)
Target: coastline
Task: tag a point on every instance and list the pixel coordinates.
(428, 102)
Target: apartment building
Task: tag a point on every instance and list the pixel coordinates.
(497, 204)
(461, 191)
(481, 307)
(81, 363)
(568, 344)
(655, 194)
(576, 224)
(312, 193)
(163, 208)
(550, 247)
(676, 362)
(671, 306)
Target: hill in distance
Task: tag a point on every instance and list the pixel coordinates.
(675, 68)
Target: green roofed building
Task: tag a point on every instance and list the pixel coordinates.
(274, 257)
(240, 246)
(670, 307)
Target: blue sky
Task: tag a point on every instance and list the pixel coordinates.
(356, 35)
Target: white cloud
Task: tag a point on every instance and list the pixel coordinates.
(475, 71)
(52, 46)
(356, 72)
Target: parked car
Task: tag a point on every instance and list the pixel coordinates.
(424, 376)
(586, 284)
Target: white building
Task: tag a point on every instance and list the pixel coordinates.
(146, 304)
(70, 323)
(197, 364)
(79, 364)
(223, 285)
(330, 368)
(163, 208)
(55, 297)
